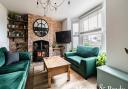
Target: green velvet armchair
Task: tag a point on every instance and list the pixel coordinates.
(83, 60)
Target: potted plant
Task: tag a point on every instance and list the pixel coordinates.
(101, 60)
(12, 15)
(54, 44)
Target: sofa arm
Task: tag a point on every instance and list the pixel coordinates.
(66, 54)
(25, 55)
(88, 66)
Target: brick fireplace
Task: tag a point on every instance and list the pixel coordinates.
(54, 26)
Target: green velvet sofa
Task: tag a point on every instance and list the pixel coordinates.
(83, 60)
(14, 76)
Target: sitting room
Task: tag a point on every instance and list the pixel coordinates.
(63, 44)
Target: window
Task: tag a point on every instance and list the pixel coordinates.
(87, 30)
(75, 38)
(85, 24)
(91, 29)
(92, 39)
(99, 19)
(75, 42)
(92, 21)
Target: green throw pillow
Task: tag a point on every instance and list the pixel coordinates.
(24, 55)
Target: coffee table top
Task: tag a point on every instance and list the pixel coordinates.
(55, 61)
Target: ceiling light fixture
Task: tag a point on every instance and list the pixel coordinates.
(49, 5)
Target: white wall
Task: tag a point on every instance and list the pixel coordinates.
(117, 33)
(66, 25)
(4, 42)
(104, 27)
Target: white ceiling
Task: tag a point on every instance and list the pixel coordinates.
(76, 8)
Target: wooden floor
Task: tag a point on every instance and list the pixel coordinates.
(38, 80)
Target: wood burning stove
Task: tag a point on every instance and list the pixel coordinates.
(40, 50)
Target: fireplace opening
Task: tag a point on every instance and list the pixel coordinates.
(40, 50)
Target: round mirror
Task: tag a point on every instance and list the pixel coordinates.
(40, 27)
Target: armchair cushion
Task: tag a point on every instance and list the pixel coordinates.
(87, 51)
(67, 54)
(75, 60)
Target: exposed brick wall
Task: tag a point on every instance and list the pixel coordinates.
(12, 43)
(53, 27)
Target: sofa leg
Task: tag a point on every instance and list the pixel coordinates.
(97, 87)
(86, 78)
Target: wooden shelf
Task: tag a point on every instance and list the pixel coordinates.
(17, 20)
(21, 42)
(16, 36)
(17, 28)
(61, 49)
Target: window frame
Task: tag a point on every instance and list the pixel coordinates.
(97, 9)
(94, 12)
(73, 22)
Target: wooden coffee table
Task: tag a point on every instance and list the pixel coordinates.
(56, 65)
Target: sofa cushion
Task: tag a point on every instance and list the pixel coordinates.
(24, 55)
(13, 80)
(2, 58)
(87, 51)
(19, 66)
(75, 60)
(11, 57)
(4, 49)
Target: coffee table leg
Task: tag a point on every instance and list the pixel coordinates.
(68, 73)
(33, 77)
(44, 66)
(49, 79)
